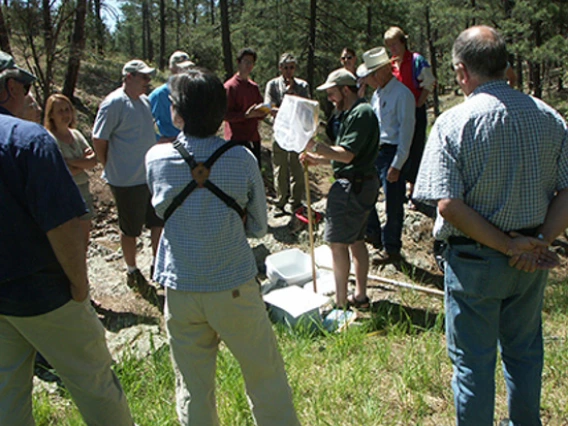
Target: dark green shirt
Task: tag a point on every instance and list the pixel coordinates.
(359, 134)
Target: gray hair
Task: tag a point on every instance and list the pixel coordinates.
(482, 50)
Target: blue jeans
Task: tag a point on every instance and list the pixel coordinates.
(394, 199)
(488, 305)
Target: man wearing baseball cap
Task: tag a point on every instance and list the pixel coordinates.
(122, 134)
(160, 99)
(393, 104)
(354, 192)
(44, 291)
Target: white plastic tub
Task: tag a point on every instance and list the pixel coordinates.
(293, 266)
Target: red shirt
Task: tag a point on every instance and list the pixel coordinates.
(405, 73)
(241, 95)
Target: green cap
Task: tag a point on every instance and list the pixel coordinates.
(8, 66)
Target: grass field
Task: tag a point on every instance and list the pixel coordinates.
(390, 370)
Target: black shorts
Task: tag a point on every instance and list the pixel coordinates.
(134, 209)
(347, 212)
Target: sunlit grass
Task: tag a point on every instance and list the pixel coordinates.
(390, 370)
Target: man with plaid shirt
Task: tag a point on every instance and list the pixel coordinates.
(496, 167)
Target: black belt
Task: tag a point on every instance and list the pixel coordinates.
(351, 178)
(388, 146)
(457, 241)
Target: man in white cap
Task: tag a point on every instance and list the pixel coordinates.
(44, 291)
(122, 134)
(160, 99)
(354, 192)
(393, 104)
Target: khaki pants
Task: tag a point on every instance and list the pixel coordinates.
(286, 165)
(71, 338)
(195, 323)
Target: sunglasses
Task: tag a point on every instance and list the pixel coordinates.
(346, 58)
(289, 67)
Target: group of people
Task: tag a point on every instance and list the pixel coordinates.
(496, 168)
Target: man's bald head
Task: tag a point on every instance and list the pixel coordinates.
(482, 50)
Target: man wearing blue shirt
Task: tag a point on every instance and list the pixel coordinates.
(393, 104)
(44, 303)
(206, 264)
(496, 167)
(160, 101)
(122, 134)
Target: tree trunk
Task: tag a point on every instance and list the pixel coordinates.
(46, 82)
(312, 44)
(433, 59)
(100, 28)
(519, 66)
(162, 59)
(145, 31)
(178, 23)
(4, 35)
(369, 23)
(226, 38)
(536, 78)
(76, 49)
(212, 11)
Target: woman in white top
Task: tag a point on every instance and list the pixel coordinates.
(78, 154)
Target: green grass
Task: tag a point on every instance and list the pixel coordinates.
(391, 370)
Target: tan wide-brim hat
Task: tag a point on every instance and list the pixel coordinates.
(339, 77)
(372, 60)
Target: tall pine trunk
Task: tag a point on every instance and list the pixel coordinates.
(76, 49)
(226, 39)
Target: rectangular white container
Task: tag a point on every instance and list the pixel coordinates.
(293, 266)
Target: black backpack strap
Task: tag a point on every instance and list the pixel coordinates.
(220, 151)
(227, 199)
(180, 198)
(190, 160)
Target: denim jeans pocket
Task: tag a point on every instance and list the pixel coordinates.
(467, 272)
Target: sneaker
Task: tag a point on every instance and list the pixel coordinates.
(136, 281)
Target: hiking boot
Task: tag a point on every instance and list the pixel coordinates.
(136, 281)
(385, 257)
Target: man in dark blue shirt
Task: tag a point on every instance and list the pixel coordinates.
(44, 303)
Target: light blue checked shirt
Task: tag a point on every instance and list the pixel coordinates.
(395, 108)
(204, 244)
(502, 152)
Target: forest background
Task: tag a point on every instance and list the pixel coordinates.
(55, 36)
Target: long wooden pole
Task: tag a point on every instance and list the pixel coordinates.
(310, 225)
(395, 283)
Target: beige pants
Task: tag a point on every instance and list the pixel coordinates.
(72, 340)
(195, 323)
(286, 166)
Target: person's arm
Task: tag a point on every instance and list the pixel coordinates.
(101, 149)
(256, 224)
(67, 241)
(556, 220)
(406, 116)
(327, 153)
(89, 159)
(422, 98)
(471, 223)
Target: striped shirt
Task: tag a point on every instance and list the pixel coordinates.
(204, 245)
(502, 152)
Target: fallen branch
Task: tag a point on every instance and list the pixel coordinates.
(432, 291)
